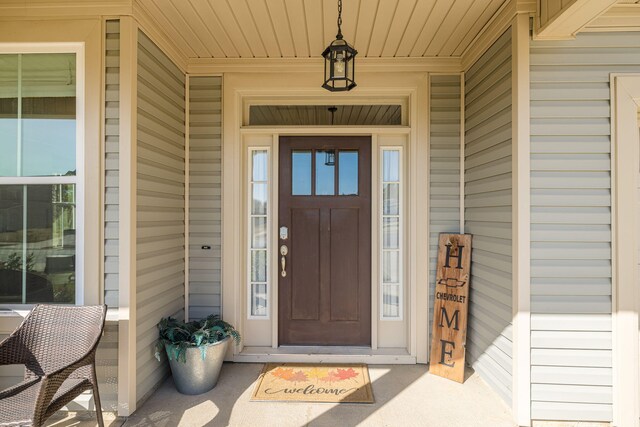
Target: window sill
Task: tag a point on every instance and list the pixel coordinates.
(15, 313)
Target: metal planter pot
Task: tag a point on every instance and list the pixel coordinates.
(199, 375)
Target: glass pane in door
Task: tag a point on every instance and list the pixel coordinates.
(325, 172)
(301, 173)
(348, 173)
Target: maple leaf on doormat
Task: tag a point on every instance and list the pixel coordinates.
(346, 374)
(318, 373)
(283, 373)
(298, 377)
(331, 377)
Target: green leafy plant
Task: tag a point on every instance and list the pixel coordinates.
(14, 262)
(177, 336)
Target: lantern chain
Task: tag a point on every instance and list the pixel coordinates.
(339, 35)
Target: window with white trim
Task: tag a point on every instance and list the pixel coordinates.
(258, 207)
(38, 178)
(391, 233)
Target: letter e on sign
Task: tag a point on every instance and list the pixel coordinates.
(450, 306)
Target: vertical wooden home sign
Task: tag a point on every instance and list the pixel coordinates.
(451, 302)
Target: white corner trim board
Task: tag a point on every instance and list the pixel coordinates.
(625, 96)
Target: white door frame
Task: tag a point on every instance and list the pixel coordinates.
(246, 86)
(625, 104)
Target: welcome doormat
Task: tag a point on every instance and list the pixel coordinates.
(302, 382)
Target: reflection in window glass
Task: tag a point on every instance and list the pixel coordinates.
(390, 232)
(259, 299)
(259, 201)
(38, 114)
(9, 115)
(325, 172)
(38, 138)
(391, 235)
(324, 115)
(259, 232)
(259, 238)
(259, 166)
(390, 301)
(301, 173)
(37, 243)
(390, 197)
(348, 173)
(391, 166)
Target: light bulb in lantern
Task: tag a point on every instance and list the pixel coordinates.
(339, 65)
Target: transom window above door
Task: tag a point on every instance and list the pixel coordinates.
(324, 172)
(326, 115)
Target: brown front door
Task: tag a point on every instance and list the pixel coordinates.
(325, 215)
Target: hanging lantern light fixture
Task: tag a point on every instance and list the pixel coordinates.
(339, 62)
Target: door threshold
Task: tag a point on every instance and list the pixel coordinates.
(325, 354)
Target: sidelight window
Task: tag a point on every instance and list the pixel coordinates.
(39, 179)
(259, 233)
(391, 231)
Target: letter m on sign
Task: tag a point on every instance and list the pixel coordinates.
(450, 306)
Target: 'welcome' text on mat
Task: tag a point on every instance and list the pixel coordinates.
(298, 382)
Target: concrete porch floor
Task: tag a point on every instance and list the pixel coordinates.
(405, 395)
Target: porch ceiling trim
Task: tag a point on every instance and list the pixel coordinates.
(622, 17)
(12, 9)
(568, 21)
(494, 29)
(152, 29)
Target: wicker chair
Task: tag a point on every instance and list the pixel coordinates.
(57, 345)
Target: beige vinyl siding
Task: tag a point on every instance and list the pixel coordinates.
(111, 161)
(205, 195)
(160, 204)
(487, 202)
(571, 336)
(107, 370)
(444, 167)
(107, 355)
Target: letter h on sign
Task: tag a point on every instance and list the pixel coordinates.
(448, 256)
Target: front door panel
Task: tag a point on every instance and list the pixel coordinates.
(325, 203)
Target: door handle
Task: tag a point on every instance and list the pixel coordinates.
(283, 260)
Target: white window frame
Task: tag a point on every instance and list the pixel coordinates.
(78, 179)
(401, 220)
(249, 218)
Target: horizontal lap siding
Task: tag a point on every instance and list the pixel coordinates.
(107, 354)
(571, 340)
(487, 201)
(160, 204)
(111, 165)
(444, 167)
(107, 370)
(205, 195)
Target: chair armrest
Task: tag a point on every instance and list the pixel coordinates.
(63, 373)
(49, 385)
(18, 388)
(10, 353)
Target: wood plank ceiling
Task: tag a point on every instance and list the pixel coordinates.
(303, 28)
